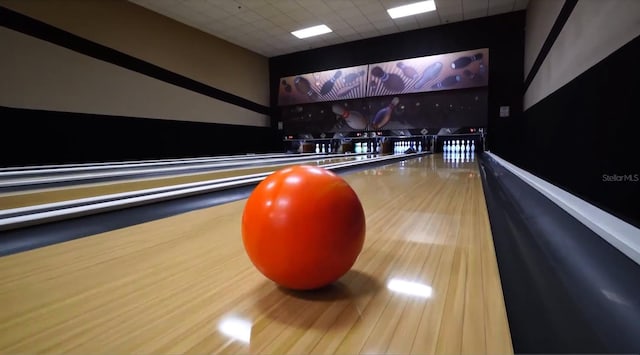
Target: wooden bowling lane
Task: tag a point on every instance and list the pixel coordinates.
(50, 195)
(184, 284)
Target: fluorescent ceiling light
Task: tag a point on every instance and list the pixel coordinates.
(311, 31)
(412, 9)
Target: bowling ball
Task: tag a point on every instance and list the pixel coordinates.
(303, 227)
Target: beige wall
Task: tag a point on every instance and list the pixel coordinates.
(146, 35)
(41, 75)
(595, 29)
(541, 15)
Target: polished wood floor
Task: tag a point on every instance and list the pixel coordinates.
(184, 284)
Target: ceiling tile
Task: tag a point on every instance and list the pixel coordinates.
(264, 26)
(499, 9)
(520, 5)
(475, 4)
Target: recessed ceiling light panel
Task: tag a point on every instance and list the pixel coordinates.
(412, 9)
(311, 31)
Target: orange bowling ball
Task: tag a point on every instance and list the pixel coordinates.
(303, 227)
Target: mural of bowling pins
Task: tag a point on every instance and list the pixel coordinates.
(304, 87)
(390, 81)
(328, 85)
(347, 89)
(408, 71)
(465, 61)
(383, 116)
(430, 73)
(352, 77)
(447, 82)
(354, 119)
(287, 87)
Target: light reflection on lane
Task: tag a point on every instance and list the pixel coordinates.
(236, 328)
(410, 288)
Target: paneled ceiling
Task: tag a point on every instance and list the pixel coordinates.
(265, 26)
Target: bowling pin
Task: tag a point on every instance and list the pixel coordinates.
(430, 73)
(473, 145)
(354, 119)
(390, 81)
(351, 78)
(286, 85)
(408, 71)
(447, 82)
(465, 61)
(328, 85)
(384, 115)
(317, 148)
(468, 74)
(304, 87)
(347, 89)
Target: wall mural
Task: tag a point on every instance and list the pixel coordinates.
(329, 85)
(438, 72)
(445, 90)
(460, 108)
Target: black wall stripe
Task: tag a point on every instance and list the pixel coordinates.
(562, 18)
(53, 137)
(27, 25)
(581, 136)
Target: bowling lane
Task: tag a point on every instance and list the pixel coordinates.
(50, 195)
(426, 282)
